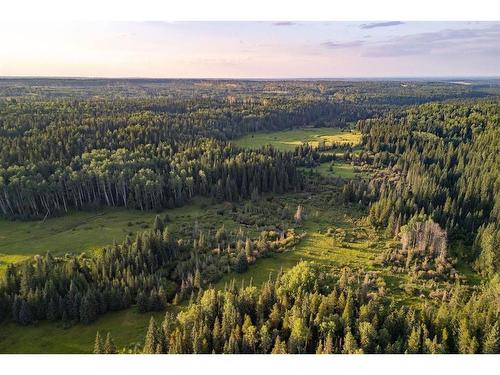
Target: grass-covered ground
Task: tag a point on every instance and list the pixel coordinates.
(289, 139)
(127, 328)
(338, 169)
(345, 170)
(80, 231)
(356, 251)
(72, 233)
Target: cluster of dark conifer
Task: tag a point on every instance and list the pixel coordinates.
(444, 162)
(79, 288)
(151, 271)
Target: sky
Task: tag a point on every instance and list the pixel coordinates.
(250, 49)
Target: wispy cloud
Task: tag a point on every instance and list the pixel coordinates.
(279, 48)
(460, 42)
(374, 25)
(335, 45)
(284, 23)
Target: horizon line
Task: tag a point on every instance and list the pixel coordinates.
(395, 77)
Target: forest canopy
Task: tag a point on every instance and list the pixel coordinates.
(409, 236)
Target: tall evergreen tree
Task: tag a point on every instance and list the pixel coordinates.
(98, 345)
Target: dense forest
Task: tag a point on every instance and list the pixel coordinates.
(304, 311)
(143, 153)
(431, 192)
(447, 158)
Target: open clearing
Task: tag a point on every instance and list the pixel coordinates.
(317, 245)
(80, 231)
(73, 233)
(289, 139)
(127, 327)
(338, 169)
(344, 170)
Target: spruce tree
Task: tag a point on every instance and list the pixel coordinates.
(265, 339)
(414, 341)
(350, 345)
(25, 315)
(152, 338)
(142, 302)
(328, 347)
(241, 265)
(158, 224)
(98, 345)
(279, 346)
(109, 345)
(248, 248)
(491, 343)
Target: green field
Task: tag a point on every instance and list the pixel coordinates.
(80, 231)
(289, 139)
(339, 169)
(72, 233)
(127, 328)
(344, 170)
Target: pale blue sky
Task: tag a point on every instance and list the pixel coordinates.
(250, 49)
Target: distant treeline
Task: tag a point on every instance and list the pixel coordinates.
(147, 152)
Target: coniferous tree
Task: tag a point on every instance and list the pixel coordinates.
(158, 225)
(109, 345)
(350, 345)
(98, 345)
(25, 314)
(279, 346)
(152, 338)
(491, 343)
(241, 264)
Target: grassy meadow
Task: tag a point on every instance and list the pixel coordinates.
(289, 139)
(80, 231)
(357, 250)
(338, 169)
(127, 328)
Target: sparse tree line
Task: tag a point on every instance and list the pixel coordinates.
(423, 251)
